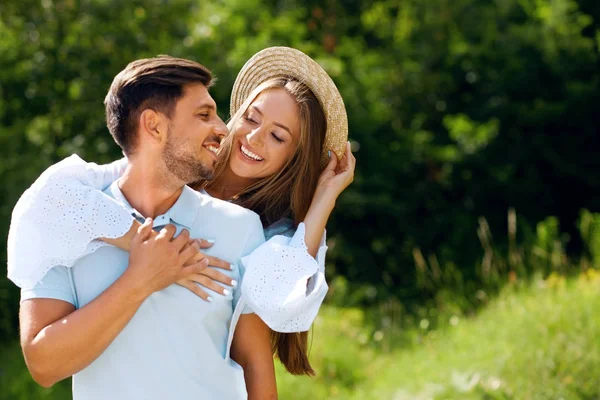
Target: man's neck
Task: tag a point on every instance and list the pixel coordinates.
(148, 190)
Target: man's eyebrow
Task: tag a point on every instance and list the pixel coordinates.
(206, 105)
(274, 123)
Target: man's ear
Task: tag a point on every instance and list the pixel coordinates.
(153, 126)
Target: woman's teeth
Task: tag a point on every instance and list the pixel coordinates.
(250, 154)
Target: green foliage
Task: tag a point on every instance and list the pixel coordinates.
(535, 341)
(589, 228)
(458, 109)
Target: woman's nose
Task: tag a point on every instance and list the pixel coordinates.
(254, 138)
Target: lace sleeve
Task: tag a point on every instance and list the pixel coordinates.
(58, 219)
(284, 284)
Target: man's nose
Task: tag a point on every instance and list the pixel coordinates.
(220, 128)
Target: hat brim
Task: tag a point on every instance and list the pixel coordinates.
(274, 62)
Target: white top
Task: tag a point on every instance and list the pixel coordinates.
(66, 209)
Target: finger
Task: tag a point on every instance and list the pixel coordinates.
(343, 164)
(348, 162)
(143, 232)
(209, 284)
(218, 263)
(218, 276)
(181, 240)
(188, 252)
(350, 156)
(205, 243)
(332, 162)
(195, 268)
(167, 232)
(197, 290)
(190, 244)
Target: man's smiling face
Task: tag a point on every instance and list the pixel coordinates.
(194, 135)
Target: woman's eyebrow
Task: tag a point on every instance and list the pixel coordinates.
(282, 126)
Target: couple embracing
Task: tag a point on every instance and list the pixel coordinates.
(180, 271)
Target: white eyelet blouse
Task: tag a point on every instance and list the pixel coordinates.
(66, 210)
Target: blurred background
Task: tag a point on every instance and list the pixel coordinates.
(463, 261)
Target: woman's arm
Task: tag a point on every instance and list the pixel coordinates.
(251, 348)
(66, 210)
(295, 267)
(334, 179)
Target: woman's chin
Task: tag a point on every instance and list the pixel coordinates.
(242, 170)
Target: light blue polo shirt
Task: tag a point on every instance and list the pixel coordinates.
(174, 347)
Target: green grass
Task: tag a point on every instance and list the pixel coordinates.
(535, 342)
(538, 342)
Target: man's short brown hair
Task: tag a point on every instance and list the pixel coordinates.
(156, 83)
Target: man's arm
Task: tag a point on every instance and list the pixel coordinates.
(58, 341)
(251, 348)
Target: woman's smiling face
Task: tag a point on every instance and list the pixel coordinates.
(265, 136)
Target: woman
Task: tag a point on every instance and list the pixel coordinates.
(286, 117)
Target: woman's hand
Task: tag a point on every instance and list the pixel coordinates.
(336, 176)
(208, 277)
(158, 259)
(333, 180)
(150, 250)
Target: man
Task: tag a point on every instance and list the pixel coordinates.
(115, 321)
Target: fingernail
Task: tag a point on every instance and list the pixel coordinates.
(205, 261)
(226, 292)
(232, 267)
(211, 241)
(329, 153)
(234, 283)
(209, 299)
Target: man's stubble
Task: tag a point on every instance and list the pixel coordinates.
(183, 161)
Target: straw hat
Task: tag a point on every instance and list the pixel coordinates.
(276, 62)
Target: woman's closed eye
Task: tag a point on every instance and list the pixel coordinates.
(277, 138)
(249, 119)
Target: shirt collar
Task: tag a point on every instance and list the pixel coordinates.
(183, 212)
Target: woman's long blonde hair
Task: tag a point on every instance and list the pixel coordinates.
(285, 194)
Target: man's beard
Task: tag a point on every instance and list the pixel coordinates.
(183, 163)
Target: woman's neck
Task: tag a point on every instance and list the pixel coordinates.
(228, 185)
